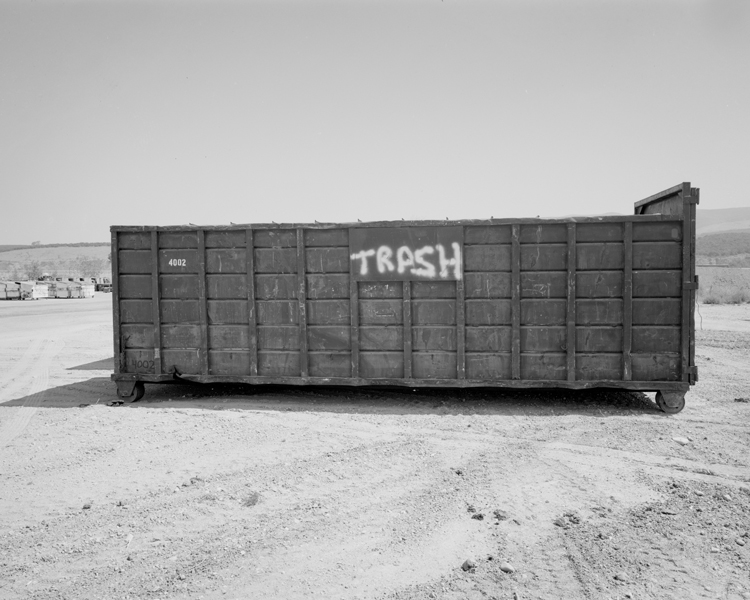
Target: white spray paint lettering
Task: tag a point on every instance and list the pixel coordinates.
(427, 269)
(362, 255)
(384, 259)
(413, 261)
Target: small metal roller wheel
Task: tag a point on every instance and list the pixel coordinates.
(138, 391)
(670, 402)
(124, 389)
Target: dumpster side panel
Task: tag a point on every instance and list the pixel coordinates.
(488, 305)
(133, 300)
(276, 307)
(593, 301)
(327, 304)
(627, 282)
(575, 303)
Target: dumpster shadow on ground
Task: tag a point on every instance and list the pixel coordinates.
(599, 402)
(399, 400)
(97, 390)
(106, 364)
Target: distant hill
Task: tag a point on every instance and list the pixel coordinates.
(723, 236)
(715, 220)
(62, 260)
(9, 247)
(726, 248)
(724, 244)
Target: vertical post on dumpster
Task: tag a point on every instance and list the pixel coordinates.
(302, 297)
(155, 302)
(119, 354)
(354, 316)
(689, 201)
(461, 327)
(693, 206)
(203, 301)
(408, 363)
(515, 262)
(251, 314)
(627, 303)
(571, 316)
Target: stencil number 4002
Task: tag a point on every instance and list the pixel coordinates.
(177, 262)
(147, 365)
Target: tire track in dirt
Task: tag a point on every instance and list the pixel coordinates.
(12, 379)
(38, 372)
(656, 544)
(404, 522)
(534, 488)
(308, 523)
(531, 493)
(666, 466)
(586, 456)
(670, 466)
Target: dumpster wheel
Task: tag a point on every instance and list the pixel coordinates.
(670, 402)
(133, 391)
(140, 390)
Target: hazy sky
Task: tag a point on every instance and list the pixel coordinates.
(169, 112)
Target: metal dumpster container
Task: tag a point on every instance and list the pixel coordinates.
(12, 290)
(61, 290)
(34, 290)
(515, 303)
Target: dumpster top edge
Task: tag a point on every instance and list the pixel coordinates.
(447, 223)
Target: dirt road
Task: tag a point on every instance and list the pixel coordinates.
(234, 492)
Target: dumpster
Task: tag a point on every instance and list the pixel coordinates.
(11, 290)
(62, 290)
(71, 289)
(34, 290)
(571, 303)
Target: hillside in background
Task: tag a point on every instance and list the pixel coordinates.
(723, 237)
(9, 247)
(721, 219)
(71, 260)
(731, 248)
(724, 244)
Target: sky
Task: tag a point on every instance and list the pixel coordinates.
(168, 112)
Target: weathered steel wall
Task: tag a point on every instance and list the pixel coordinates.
(572, 303)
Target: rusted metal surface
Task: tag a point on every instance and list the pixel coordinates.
(575, 303)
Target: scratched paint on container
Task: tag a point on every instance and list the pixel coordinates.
(406, 253)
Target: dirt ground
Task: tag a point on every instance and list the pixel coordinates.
(238, 492)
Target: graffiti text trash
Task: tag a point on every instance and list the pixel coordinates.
(407, 254)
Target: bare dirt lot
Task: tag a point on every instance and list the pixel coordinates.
(237, 492)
